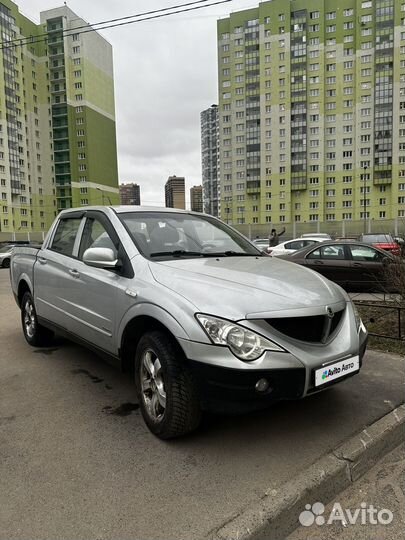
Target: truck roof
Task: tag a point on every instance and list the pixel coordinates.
(120, 209)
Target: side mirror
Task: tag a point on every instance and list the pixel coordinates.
(100, 258)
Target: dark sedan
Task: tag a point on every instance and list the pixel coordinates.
(353, 265)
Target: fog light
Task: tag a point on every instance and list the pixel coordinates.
(262, 385)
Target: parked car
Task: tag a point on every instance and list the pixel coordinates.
(290, 246)
(352, 265)
(317, 235)
(382, 241)
(202, 324)
(261, 243)
(5, 255)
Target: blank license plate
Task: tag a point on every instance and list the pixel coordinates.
(336, 370)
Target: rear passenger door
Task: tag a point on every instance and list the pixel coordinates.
(54, 277)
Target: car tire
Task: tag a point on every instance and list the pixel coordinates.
(166, 391)
(34, 333)
(6, 263)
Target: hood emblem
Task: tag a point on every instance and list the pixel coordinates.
(329, 312)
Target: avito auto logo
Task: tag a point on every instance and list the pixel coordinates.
(336, 370)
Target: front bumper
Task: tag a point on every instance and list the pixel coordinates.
(233, 390)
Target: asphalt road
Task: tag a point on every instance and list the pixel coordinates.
(76, 460)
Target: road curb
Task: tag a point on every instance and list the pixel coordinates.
(275, 515)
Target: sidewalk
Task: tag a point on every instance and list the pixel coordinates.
(383, 487)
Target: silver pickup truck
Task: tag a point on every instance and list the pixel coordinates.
(198, 315)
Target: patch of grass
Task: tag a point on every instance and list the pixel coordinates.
(382, 318)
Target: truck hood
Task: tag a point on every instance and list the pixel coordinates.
(247, 287)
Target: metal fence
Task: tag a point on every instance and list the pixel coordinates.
(383, 320)
(37, 237)
(337, 229)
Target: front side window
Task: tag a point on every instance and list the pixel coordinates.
(95, 235)
(171, 235)
(364, 253)
(65, 236)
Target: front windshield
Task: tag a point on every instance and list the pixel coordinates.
(162, 235)
(5, 249)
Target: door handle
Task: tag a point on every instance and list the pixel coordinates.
(42, 260)
(318, 262)
(74, 273)
(357, 264)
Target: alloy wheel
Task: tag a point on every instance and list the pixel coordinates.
(29, 319)
(152, 385)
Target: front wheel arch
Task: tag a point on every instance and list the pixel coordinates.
(133, 333)
(166, 389)
(23, 288)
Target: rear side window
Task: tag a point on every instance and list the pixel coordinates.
(297, 244)
(65, 236)
(335, 252)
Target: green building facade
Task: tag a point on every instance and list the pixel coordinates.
(312, 112)
(57, 124)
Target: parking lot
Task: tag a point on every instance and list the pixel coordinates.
(76, 460)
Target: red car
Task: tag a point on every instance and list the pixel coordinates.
(382, 241)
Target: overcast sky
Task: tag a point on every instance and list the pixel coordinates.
(165, 74)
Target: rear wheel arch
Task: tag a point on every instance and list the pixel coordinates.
(133, 332)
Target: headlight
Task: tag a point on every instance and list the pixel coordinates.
(244, 343)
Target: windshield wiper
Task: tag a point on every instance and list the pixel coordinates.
(177, 253)
(184, 253)
(231, 254)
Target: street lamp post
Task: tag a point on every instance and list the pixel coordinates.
(364, 199)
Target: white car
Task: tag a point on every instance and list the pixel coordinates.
(290, 246)
(5, 256)
(325, 236)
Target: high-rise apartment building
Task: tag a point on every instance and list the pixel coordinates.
(83, 111)
(175, 192)
(312, 111)
(57, 128)
(130, 194)
(196, 198)
(209, 160)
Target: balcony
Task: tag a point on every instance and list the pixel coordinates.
(253, 186)
(382, 181)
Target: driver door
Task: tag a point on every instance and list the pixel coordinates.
(332, 261)
(97, 290)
